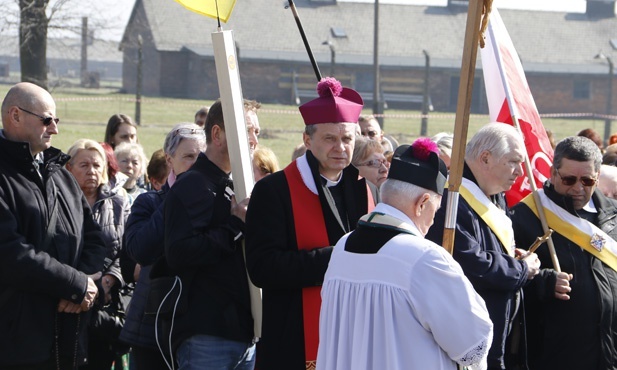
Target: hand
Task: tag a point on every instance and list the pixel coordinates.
(533, 265)
(92, 292)
(136, 272)
(68, 306)
(239, 209)
(562, 286)
(108, 282)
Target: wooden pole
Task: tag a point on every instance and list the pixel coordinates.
(230, 90)
(463, 108)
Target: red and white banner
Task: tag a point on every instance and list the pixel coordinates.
(509, 95)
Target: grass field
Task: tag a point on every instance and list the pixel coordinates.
(84, 114)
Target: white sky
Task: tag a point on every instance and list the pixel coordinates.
(118, 11)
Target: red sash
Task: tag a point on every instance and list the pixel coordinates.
(311, 233)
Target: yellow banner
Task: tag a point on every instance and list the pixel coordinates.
(208, 7)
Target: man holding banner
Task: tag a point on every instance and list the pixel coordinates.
(572, 315)
(294, 218)
(484, 240)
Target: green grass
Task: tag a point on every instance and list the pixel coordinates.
(84, 114)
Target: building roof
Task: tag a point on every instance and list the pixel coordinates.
(265, 29)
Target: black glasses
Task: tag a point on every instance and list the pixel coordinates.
(571, 180)
(46, 120)
(376, 163)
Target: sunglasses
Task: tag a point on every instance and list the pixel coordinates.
(571, 180)
(46, 120)
(369, 133)
(376, 163)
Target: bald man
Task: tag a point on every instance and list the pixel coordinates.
(49, 242)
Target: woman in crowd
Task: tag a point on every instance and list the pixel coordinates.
(110, 209)
(264, 162)
(120, 129)
(157, 170)
(369, 159)
(132, 162)
(145, 244)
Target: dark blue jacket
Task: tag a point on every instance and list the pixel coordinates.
(143, 243)
(495, 275)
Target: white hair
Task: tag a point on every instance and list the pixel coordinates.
(496, 138)
(393, 192)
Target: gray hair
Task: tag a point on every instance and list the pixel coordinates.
(496, 138)
(132, 148)
(577, 148)
(444, 142)
(184, 131)
(394, 192)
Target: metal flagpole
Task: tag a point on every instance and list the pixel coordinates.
(304, 39)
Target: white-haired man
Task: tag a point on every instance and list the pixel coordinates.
(484, 240)
(392, 299)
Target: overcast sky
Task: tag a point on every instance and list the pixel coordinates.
(118, 11)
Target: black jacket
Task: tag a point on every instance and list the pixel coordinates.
(276, 265)
(203, 247)
(580, 333)
(34, 280)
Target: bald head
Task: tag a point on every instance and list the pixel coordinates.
(23, 112)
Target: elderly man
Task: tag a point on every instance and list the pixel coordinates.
(392, 299)
(484, 241)
(573, 314)
(294, 218)
(49, 241)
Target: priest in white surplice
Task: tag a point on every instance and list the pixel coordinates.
(392, 299)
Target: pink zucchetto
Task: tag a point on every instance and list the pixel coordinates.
(335, 104)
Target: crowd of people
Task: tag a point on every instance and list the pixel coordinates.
(105, 253)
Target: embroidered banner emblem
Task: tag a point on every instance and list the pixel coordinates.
(597, 241)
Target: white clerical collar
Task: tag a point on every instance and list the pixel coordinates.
(330, 183)
(590, 207)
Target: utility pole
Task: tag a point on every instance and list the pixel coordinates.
(84, 52)
(140, 58)
(377, 106)
(425, 101)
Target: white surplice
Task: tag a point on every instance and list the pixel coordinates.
(408, 306)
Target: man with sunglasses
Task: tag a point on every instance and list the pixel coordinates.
(49, 242)
(572, 315)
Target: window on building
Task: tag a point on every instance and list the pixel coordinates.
(582, 90)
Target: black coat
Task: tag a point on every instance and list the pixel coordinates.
(33, 280)
(580, 333)
(276, 265)
(495, 275)
(203, 247)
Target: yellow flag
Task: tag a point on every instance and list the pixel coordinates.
(208, 7)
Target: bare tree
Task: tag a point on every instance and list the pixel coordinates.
(33, 23)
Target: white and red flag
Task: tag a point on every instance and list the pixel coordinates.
(509, 95)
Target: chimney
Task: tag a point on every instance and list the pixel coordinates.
(600, 8)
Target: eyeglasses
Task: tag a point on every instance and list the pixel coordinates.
(189, 131)
(376, 163)
(571, 180)
(46, 120)
(369, 133)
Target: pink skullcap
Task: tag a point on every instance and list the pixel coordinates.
(335, 104)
